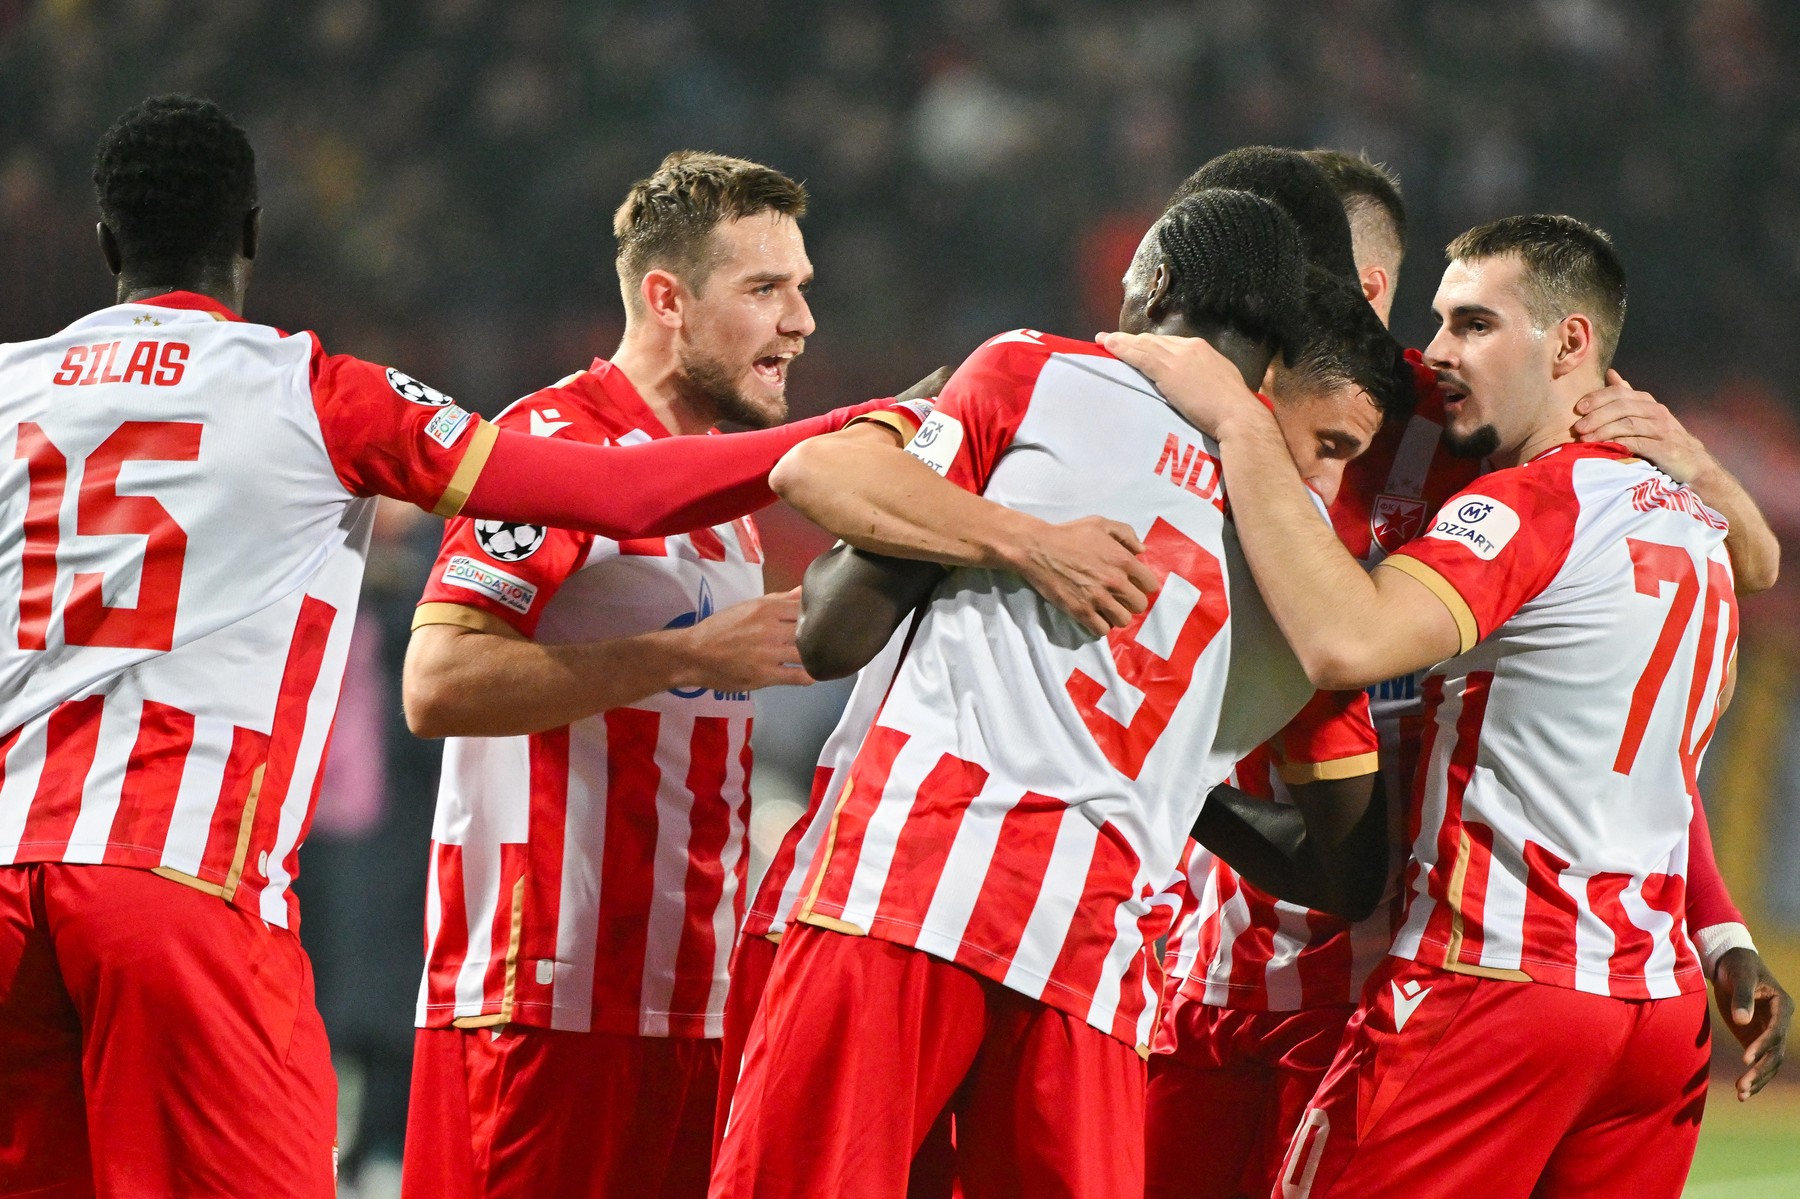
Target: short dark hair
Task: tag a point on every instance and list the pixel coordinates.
(1344, 342)
(666, 220)
(1235, 261)
(1570, 267)
(174, 178)
(1300, 188)
(1370, 194)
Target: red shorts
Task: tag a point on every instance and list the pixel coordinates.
(516, 1111)
(859, 1047)
(1224, 1102)
(1448, 1084)
(933, 1174)
(168, 1041)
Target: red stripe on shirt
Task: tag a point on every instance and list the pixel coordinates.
(547, 835)
(833, 869)
(1461, 768)
(626, 871)
(708, 544)
(249, 749)
(924, 844)
(646, 547)
(445, 955)
(71, 740)
(1021, 852)
(1667, 893)
(1081, 962)
(781, 867)
(1550, 916)
(1631, 945)
(500, 951)
(152, 781)
(709, 828)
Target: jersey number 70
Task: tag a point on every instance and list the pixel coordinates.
(1160, 671)
(99, 510)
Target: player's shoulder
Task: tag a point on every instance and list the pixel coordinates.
(1026, 351)
(573, 407)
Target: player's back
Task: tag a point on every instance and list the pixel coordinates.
(1562, 751)
(185, 545)
(1027, 789)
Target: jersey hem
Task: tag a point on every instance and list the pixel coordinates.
(1687, 979)
(462, 616)
(1353, 767)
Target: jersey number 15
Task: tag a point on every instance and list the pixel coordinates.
(100, 510)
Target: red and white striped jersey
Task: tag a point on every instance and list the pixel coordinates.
(1558, 773)
(187, 509)
(1026, 791)
(779, 890)
(590, 877)
(1234, 945)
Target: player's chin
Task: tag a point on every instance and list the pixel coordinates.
(762, 401)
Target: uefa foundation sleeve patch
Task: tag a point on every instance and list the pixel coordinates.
(1483, 525)
(470, 575)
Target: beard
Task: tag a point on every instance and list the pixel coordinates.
(1477, 443)
(710, 384)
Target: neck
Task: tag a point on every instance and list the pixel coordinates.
(1252, 358)
(226, 284)
(1557, 428)
(650, 360)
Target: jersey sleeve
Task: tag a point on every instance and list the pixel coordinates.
(389, 434)
(980, 410)
(1492, 548)
(1333, 737)
(498, 576)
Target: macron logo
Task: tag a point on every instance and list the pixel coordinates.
(1406, 1001)
(546, 423)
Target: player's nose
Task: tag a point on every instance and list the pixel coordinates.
(798, 320)
(1438, 355)
(1326, 477)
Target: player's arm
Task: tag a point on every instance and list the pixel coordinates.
(851, 603)
(1328, 852)
(881, 499)
(469, 674)
(1751, 1000)
(1635, 419)
(1348, 627)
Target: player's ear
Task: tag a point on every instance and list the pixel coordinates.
(662, 296)
(1574, 344)
(1375, 284)
(109, 248)
(1156, 302)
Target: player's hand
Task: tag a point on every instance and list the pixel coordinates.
(748, 645)
(1089, 568)
(1202, 384)
(1758, 1012)
(1638, 422)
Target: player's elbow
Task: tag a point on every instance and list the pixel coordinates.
(427, 704)
(1762, 567)
(429, 694)
(794, 475)
(1336, 668)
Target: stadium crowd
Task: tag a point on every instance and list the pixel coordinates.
(437, 180)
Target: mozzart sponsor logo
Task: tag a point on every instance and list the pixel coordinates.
(936, 442)
(1484, 525)
(497, 585)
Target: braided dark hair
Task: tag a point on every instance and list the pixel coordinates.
(174, 178)
(1302, 190)
(1344, 342)
(1235, 260)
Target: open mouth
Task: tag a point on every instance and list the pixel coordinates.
(772, 369)
(1454, 391)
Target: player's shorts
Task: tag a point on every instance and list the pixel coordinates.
(859, 1047)
(933, 1173)
(1225, 1097)
(166, 1042)
(526, 1113)
(1448, 1084)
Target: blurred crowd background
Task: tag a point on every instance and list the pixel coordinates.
(438, 180)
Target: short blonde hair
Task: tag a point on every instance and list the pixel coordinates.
(666, 221)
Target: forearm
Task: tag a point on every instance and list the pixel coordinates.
(662, 488)
(481, 685)
(881, 499)
(852, 602)
(1755, 551)
(1326, 605)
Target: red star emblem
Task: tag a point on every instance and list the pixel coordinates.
(1396, 520)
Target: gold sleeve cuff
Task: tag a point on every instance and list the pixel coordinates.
(1324, 772)
(463, 617)
(1467, 631)
(481, 444)
(898, 421)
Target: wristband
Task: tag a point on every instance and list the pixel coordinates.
(1716, 940)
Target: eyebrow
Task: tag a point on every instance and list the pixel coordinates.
(1468, 310)
(763, 277)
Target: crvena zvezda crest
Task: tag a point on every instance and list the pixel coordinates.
(1396, 520)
